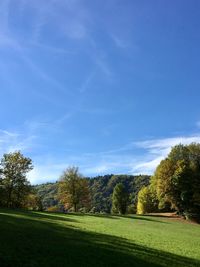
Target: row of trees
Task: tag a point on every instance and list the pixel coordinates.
(73, 189)
(100, 190)
(175, 184)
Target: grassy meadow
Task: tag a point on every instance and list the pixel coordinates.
(50, 239)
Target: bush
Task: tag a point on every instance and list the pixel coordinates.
(54, 209)
(131, 209)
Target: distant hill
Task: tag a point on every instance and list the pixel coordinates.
(101, 188)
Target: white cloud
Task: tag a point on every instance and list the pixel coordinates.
(146, 167)
(157, 146)
(157, 149)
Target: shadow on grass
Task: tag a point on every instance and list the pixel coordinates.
(35, 215)
(141, 218)
(115, 217)
(107, 216)
(30, 241)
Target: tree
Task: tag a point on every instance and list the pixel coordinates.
(177, 179)
(33, 202)
(73, 189)
(119, 199)
(13, 182)
(162, 183)
(147, 200)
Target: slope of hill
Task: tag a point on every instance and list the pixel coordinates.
(101, 188)
(55, 240)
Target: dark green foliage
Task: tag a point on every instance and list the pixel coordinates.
(101, 189)
(48, 193)
(138, 182)
(100, 193)
(119, 199)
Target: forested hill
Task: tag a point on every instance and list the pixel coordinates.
(101, 188)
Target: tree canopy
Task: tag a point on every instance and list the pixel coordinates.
(73, 189)
(119, 199)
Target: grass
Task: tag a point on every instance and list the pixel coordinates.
(48, 239)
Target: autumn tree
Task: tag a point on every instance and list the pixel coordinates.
(14, 186)
(73, 189)
(33, 202)
(119, 199)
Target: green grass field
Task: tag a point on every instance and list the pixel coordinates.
(49, 239)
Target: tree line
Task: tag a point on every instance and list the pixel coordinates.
(100, 192)
(175, 186)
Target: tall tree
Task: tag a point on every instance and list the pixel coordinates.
(73, 189)
(119, 199)
(177, 179)
(13, 181)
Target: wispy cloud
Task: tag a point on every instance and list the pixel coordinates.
(157, 149)
(159, 145)
(54, 14)
(104, 67)
(68, 18)
(119, 42)
(85, 85)
(49, 48)
(43, 75)
(13, 141)
(140, 157)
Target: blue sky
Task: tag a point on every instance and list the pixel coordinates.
(108, 86)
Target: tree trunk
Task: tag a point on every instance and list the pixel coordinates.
(75, 207)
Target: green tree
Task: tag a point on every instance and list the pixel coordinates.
(177, 179)
(119, 199)
(13, 182)
(73, 189)
(147, 200)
